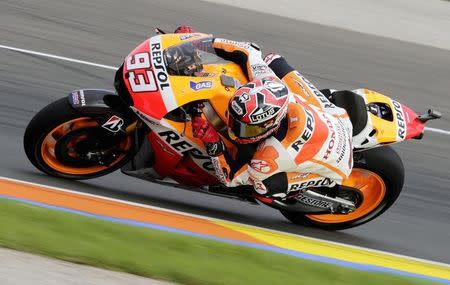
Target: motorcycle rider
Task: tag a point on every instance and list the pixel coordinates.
(289, 135)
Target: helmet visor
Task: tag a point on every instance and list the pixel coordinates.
(244, 131)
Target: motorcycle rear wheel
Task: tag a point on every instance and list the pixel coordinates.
(58, 139)
(377, 177)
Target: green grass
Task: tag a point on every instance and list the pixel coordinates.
(161, 255)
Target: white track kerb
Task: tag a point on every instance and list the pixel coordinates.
(26, 51)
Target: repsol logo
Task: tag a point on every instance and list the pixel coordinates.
(321, 182)
(307, 132)
(159, 67)
(401, 124)
(183, 147)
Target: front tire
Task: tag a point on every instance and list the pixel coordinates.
(379, 175)
(58, 139)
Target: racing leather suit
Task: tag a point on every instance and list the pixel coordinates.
(312, 148)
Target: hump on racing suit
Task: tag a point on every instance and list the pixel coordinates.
(313, 146)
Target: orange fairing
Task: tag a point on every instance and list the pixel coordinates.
(373, 190)
(159, 83)
(156, 91)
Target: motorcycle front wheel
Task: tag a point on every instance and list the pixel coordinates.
(374, 184)
(64, 143)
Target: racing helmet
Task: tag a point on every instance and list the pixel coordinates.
(256, 109)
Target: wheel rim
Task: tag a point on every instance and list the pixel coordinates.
(372, 188)
(49, 143)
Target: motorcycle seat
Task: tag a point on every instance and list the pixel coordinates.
(355, 107)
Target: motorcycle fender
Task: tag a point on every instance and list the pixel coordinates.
(90, 101)
(105, 106)
(403, 123)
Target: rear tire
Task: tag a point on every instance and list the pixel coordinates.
(57, 116)
(385, 163)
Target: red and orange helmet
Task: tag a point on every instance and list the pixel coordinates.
(256, 109)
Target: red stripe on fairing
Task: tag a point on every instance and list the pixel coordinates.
(414, 127)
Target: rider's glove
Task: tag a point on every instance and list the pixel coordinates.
(203, 130)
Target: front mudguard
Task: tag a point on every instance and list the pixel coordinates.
(101, 105)
(107, 108)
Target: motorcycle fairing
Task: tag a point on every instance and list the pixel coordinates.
(179, 155)
(156, 93)
(400, 123)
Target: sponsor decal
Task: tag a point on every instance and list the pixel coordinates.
(260, 188)
(82, 98)
(140, 77)
(159, 67)
(235, 106)
(274, 86)
(323, 100)
(260, 165)
(332, 141)
(307, 132)
(161, 75)
(188, 36)
(319, 182)
(244, 98)
(314, 202)
(259, 69)
(114, 124)
(271, 57)
(244, 45)
(401, 124)
(302, 87)
(278, 89)
(75, 98)
(344, 145)
(78, 98)
(183, 147)
(221, 175)
(301, 175)
(261, 115)
(214, 148)
(196, 86)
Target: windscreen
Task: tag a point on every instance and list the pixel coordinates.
(187, 59)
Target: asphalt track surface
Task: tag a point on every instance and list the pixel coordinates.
(105, 31)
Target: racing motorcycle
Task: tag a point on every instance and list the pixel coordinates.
(144, 128)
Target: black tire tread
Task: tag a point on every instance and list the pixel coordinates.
(51, 116)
